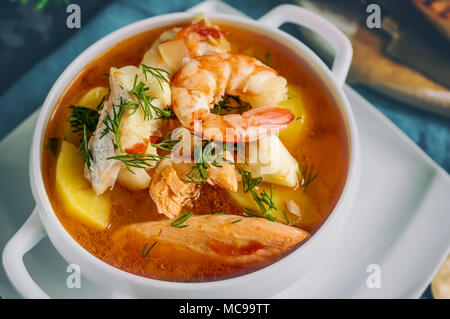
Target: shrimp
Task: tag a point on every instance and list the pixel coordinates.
(177, 46)
(204, 80)
(218, 237)
(170, 190)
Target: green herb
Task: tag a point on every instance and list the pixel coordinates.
(105, 74)
(145, 251)
(268, 60)
(180, 220)
(248, 183)
(137, 160)
(307, 175)
(203, 154)
(81, 116)
(285, 216)
(236, 221)
(112, 122)
(99, 107)
(53, 144)
(230, 105)
(84, 148)
(159, 74)
(145, 102)
(40, 4)
(219, 213)
(166, 143)
(263, 199)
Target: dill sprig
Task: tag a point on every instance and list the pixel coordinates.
(85, 120)
(307, 176)
(137, 160)
(145, 251)
(166, 143)
(265, 202)
(158, 74)
(84, 148)
(178, 223)
(230, 105)
(248, 183)
(198, 174)
(219, 213)
(285, 217)
(268, 60)
(52, 145)
(236, 221)
(112, 121)
(145, 102)
(81, 116)
(263, 199)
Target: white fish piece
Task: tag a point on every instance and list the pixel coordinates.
(218, 236)
(153, 57)
(135, 129)
(103, 172)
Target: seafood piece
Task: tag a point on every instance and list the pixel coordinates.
(175, 47)
(135, 128)
(204, 80)
(216, 236)
(170, 190)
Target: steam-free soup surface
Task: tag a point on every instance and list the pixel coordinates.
(320, 146)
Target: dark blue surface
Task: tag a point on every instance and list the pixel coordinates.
(34, 53)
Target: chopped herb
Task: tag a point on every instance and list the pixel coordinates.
(137, 160)
(166, 143)
(180, 220)
(84, 148)
(53, 144)
(99, 107)
(248, 183)
(219, 213)
(105, 74)
(159, 74)
(145, 102)
(81, 116)
(285, 216)
(230, 105)
(236, 221)
(198, 174)
(307, 176)
(268, 60)
(112, 121)
(145, 251)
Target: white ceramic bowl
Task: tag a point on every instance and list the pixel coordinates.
(262, 283)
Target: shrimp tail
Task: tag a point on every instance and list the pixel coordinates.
(249, 126)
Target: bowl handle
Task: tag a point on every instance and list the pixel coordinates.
(340, 43)
(31, 233)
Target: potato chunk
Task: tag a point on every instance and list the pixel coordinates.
(76, 192)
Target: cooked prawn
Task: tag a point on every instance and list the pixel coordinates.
(204, 80)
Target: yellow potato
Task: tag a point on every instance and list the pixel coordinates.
(296, 103)
(76, 192)
(91, 99)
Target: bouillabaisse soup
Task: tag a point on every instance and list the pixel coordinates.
(113, 185)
